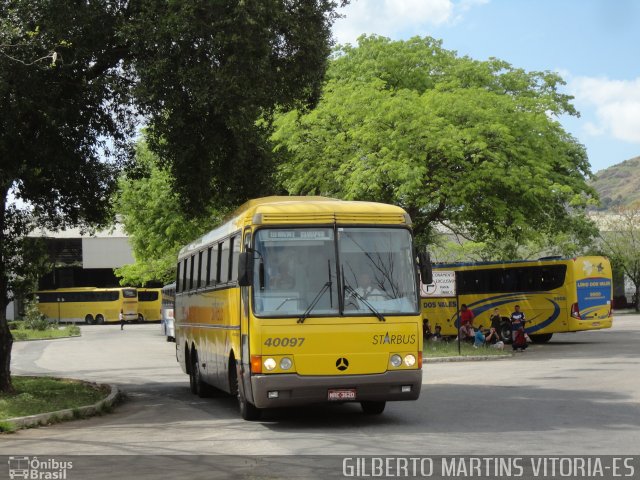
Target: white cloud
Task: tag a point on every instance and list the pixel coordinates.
(397, 18)
(617, 105)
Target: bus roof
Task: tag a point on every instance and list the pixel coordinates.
(504, 262)
(300, 210)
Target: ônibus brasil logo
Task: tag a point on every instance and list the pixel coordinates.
(33, 468)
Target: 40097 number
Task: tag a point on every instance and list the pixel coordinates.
(284, 341)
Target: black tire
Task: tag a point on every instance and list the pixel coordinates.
(140, 318)
(99, 319)
(89, 319)
(506, 334)
(373, 408)
(541, 337)
(197, 384)
(248, 411)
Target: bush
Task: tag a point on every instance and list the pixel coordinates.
(73, 330)
(33, 319)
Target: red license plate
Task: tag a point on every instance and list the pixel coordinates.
(342, 395)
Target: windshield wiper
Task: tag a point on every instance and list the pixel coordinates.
(318, 297)
(288, 299)
(351, 291)
(314, 302)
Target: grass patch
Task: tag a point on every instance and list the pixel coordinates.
(60, 332)
(35, 395)
(450, 349)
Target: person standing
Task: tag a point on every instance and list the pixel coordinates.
(121, 318)
(517, 321)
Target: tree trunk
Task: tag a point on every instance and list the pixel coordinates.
(6, 339)
(6, 343)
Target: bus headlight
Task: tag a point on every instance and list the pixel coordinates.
(285, 363)
(269, 364)
(409, 360)
(396, 360)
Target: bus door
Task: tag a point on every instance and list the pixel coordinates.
(243, 361)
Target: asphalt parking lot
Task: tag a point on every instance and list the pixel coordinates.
(577, 395)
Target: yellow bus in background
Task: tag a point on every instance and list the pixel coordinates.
(149, 304)
(298, 300)
(89, 304)
(557, 295)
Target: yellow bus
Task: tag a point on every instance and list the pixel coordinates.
(298, 300)
(557, 295)
(88, 304)
(149, 304)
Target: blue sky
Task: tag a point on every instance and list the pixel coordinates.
(593, 44)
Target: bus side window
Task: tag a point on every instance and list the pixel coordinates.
(233, 260)
(191, 271)
(202, 269)
(218, 262)
(207, 280)
(185, 285)
(178, 283)
(224, 262)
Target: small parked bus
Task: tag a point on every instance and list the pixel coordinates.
(298, 300)
(149, 304)
(88, 304)
(556, 294)
(168, 304)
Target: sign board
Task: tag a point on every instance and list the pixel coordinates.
(444, 285)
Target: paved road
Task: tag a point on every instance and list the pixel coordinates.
(577, 395)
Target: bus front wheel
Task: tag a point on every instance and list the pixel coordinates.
(248, 411)
(373, 408)
(541, 337)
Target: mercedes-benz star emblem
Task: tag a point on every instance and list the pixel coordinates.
(342, 364)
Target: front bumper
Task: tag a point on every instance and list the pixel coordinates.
(295, 389)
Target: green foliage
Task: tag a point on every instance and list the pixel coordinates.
(469, 144)
(209, 71)
(76, 77)
(51, 333)
(620, 240)
(34, 395)
(157, 228)
(73, 330)
(34, 320)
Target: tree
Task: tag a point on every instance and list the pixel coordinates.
(58, 105)
(473, 145)
(620, 234)
(75, 77)
(150, 212)
(211, 74)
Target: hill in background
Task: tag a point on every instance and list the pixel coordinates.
(618, 184)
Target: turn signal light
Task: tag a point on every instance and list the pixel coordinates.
(256, 364)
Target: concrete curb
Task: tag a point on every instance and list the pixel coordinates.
(68, 413)
(46, 339)
(470, 358)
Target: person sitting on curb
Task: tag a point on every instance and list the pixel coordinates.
(478, 338)
(492, 339)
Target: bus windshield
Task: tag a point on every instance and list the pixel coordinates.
(297, 273)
